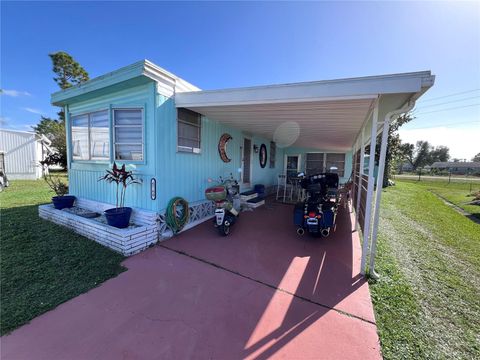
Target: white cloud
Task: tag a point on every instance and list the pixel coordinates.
(462, 142)
(4, 120)
(33, 111)
(14, 93)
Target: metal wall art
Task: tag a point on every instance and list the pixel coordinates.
(263, 155)
(222, 147)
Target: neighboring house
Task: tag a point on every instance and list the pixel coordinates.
(458, 167)
(405, 166)
(21, 152)
(176, 137)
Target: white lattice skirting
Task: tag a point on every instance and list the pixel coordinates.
(199, 212)
(150, 226)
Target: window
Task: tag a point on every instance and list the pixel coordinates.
(322, 162)
(90, 136)
(128, 132)
(315, 163)
(273, 151)
(189, 129)
(336, 160)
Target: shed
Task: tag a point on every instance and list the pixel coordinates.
(21, 152)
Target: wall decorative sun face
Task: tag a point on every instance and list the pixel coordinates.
(263, 155)
(222, 147)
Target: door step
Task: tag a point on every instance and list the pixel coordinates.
(248, 195)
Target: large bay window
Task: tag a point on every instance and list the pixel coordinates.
(323, 162)
(189, 131)
(90, 136)
(128, 134)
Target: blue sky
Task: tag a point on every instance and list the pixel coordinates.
(218, 45)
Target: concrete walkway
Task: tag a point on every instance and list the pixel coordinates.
(260, 293)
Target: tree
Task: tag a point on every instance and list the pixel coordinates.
(476, 158)
(68, 73)
(440, 153)
(54, 130)
(422, 153)
(393, 145)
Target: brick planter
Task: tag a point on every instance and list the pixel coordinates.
(127, 241)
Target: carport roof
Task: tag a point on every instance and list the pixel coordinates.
(327, 114)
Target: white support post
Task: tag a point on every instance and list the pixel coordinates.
(378, 195)
(368, 209)
(354, 174)
(360, 179)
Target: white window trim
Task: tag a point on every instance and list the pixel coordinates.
(71, 145)
(114, 143)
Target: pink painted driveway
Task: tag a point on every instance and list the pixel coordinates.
(260, 293)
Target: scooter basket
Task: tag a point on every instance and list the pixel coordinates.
(216, 193)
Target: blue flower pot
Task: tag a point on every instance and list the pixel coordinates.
(62, 202)
(118, 217)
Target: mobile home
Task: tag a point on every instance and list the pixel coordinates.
(172, 134)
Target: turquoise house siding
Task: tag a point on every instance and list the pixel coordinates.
(83, 175)
(176, 173)
(186, 174)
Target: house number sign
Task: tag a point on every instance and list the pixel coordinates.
(222, 147)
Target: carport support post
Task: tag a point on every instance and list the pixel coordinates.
(368, 209)
(381, 170)
(360, 173)
(378, 196)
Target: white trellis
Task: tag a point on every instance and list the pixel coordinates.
(199, 212)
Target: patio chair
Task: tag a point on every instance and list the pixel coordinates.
(283, 185)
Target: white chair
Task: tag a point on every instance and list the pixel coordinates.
(283, 185)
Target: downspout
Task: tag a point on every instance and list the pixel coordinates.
(381, 169)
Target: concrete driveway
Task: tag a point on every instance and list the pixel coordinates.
(260, 293)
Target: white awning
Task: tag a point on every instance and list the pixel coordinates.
(329, 114)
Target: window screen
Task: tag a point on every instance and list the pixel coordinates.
(189, 131)
(314, 163)
(273, 151)
(90, 136)
(128, 134)
(336, 160)
(322, 162)
(99, 135)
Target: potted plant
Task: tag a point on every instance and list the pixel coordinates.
(120, 215)
(55, 183)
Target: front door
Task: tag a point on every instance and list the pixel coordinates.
(292, 165)
(246, 161)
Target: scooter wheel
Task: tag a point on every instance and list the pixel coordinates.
(224, 230)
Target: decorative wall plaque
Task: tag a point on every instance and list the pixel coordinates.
(222, 147)
(263, 155)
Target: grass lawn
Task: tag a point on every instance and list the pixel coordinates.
(41, 264)
(427, 301)
(457, 192)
